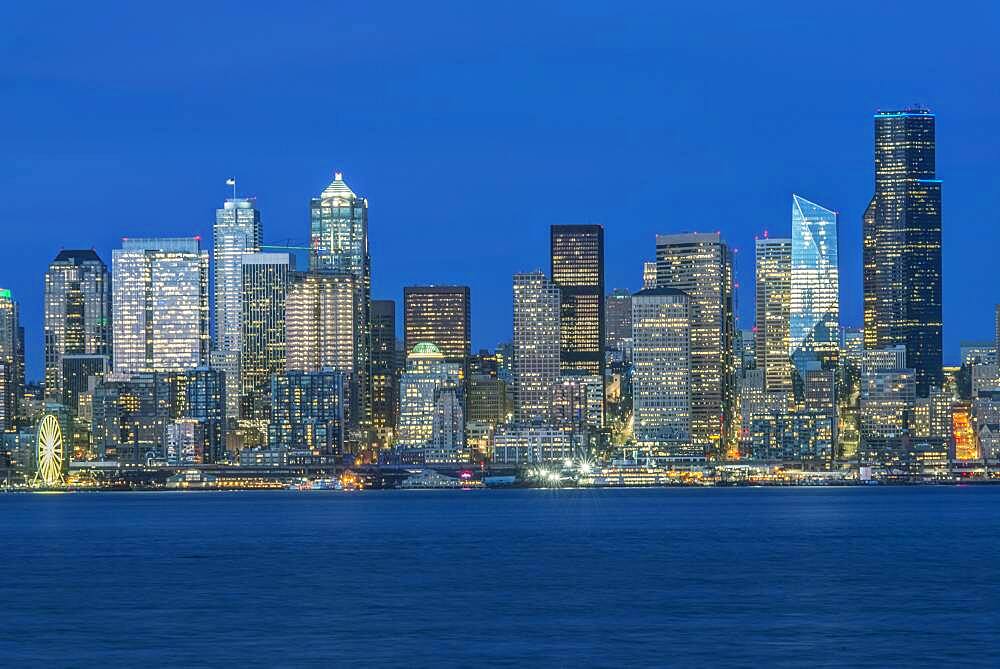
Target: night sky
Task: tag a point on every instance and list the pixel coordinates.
(471, 127)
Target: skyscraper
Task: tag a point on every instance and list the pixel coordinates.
(814, 328)
(661, 378)
(265, 279)
(772, 312)
(423, 390)
(339, 243)
(577, 266)
(902, 244)
(160, 305)
(618, 319)
(649, 274)
(536, 344)
(321, 327)
(11, 360)
(77, 313)
(236, 234)
(385, 380)
(440, 315)
(700, 264)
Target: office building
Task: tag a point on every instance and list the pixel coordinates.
(440, 315)
(339, 244)
(236, 234)
(577, 268)
(160, 305)
(265, 278)
(902, 244)
(487, 400)
(814, 314)
(701, 265)
(11, 360)
(78, 374)
(429, 376)
(773, 312)
(536, 444)
(618, 319)
(649, 274)
(661, 376)
(77, 317)
(307, 412)
(536, 349)
(385, 373)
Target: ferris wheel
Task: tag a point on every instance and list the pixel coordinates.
(50, 452)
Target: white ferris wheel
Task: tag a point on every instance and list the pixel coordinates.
(50, 453)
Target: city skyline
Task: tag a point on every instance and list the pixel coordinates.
(94, 134)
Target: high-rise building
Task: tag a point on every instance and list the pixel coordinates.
(160, 305)
(265, 280)
(577, 263)
(321, 333)
(339, 243)
(423, 387)
(536, 344)
(385, 379)
(661, 377)
(75, 377)
(814, 328)
(618, 319)
(773, 311)
(11, 360)
(902, 244)
(701, 265)
(236, 234)
(77, 313)
(307, 412)
(440, 315)
(996, 329)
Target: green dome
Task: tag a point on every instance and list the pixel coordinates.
(426, 347)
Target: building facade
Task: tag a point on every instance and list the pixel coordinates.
(772, 308)
(441, 315)
(265, 280)
(160, 305)
(577, 268)
(536, 345)
(902, 244)
(814, 314)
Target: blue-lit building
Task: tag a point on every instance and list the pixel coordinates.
(814, 313)
(902, 244)
(307, 412)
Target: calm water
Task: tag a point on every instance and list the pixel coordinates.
(690, 577)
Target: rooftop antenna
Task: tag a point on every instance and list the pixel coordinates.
(231, 181)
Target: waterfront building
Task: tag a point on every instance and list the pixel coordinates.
(11, 360)
(160, 305)
(814, 315)
(534, 444)
(902, 244)
(385, 373)
(321, 334)
(799, 437)
(77, 318)
(701, 265)
(577, 268)
(440, 315)
(773, 312)
(339, 244)
(888, 399)
(618, 319)
(266, 278)
(487, 400)
(536, 347)
(236, 234)
(307, 412)
(661, 376)
(429, 375)
(985, 416)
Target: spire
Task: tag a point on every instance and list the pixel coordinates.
(338, 188)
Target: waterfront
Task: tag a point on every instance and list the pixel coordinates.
(715, 576)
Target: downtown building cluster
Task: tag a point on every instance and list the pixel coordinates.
(298, 365)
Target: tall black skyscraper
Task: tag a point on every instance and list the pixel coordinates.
(902, 244)
(385, 380)
(440, 315)
(578, 270)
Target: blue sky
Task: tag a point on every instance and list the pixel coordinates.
(471, 127)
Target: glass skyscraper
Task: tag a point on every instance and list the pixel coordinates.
(902, 245)
(236, 233)
(577, 258)
(265, 281)
(814, 321)
(339, 244)
(160, 305)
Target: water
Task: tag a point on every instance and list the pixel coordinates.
(681, 577)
